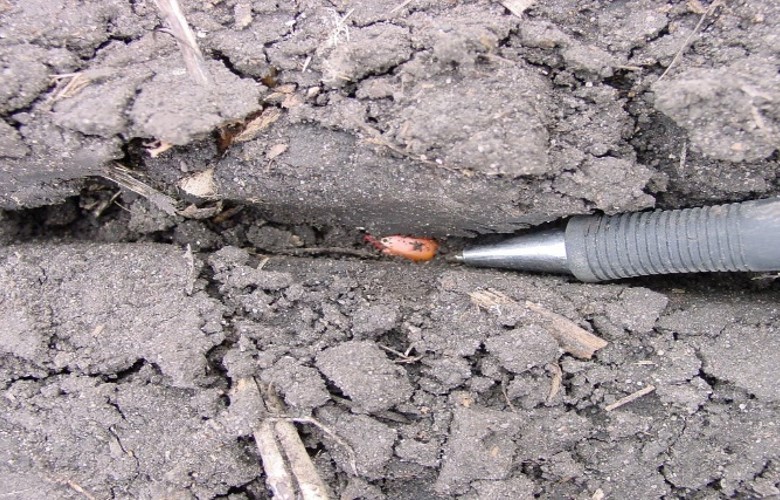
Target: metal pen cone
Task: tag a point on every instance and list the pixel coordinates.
(543, 251)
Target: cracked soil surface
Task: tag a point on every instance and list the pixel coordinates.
(127, 320)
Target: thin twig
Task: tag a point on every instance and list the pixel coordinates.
(333, 435)
(400, 6)
(193, 57)
(332, 250)
(76, 83)
(506, 398)
(631, 397)
(715, 4)
(122, 176)
(311, 485)
(573, 338)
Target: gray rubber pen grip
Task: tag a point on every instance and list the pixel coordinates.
(734, 237)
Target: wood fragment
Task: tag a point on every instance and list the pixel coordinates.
(192, 274)
(491, 300)
(517, 7)
(573, 339)
(257, 125)
(400, 6)
(185, 38)
(715, 4)
(227, 214)
(555, 384)
(65, 482)
(506, 398)
(123, 177)
(76, 83)
(157, 148)
(631, 397)
(334, 436)
(79, 489)
(311, 485)
(277, 478)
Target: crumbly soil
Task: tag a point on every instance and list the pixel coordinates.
(128, 320)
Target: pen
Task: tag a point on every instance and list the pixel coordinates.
(732, 237)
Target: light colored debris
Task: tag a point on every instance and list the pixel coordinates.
(306, 64)
(257, 125)
(227, 214)
(276, 476)
(715, 4)
(339, 30)
(506, 398)
(191, 271)
(403, 357)
(195, 212)
(517, 7)
(124, 178)
(65, 482)
(68, 85)
(292, 100)
(311, 485)
(185, 38)
(631, 397)
(696, 7)
(400, 6)
(99, 206)
(491, 300)
(156, 148)
(333, 435)
(276, 150)
(200, 184)
(242, 14)
(573, 339)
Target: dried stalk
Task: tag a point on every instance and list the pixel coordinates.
(185, 38)
(122, 176)
(572, 338)
(631, 397)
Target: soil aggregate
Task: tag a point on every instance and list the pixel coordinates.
(183, 265)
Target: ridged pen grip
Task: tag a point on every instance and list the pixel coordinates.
(734, 237)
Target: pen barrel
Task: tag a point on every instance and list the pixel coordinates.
(732, 237)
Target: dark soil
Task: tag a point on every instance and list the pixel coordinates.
(125, 329)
